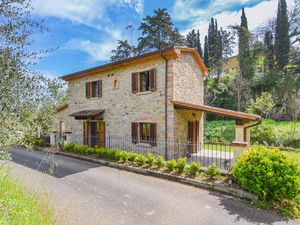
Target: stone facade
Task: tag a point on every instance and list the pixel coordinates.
(122, 107)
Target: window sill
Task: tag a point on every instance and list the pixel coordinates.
(93, 98)
(144, 93)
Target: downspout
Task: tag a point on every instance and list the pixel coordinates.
(252, 125)
(166, 105)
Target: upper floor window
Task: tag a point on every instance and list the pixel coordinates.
(93, 89)
(144, 81)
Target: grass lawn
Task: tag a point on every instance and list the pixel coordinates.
(17, 206)
(272, 133)
(218, 147)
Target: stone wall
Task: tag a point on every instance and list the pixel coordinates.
(188, 80)
(121, 106)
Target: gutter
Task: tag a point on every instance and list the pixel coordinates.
(251, 125)
(166, 105)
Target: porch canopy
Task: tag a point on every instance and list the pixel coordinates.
(245, 117)
(88, 114)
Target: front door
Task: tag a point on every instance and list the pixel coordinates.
(94, 133)
(193, 136)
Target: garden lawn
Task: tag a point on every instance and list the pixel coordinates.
(17, 206)
(279, 134)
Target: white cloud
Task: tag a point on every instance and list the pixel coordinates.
(88, 12)
(98, 51)
(92, 13)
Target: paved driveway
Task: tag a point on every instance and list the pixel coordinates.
(86, 193)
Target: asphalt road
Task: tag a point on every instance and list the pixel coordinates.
(86, 193)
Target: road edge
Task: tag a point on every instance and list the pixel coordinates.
(192, 182)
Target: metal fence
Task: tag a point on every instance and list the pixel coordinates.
(205, 153)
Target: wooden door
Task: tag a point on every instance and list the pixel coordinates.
(193, 136)
(94, 133)
(101, 134)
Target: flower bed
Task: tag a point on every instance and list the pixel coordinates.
(157, 163)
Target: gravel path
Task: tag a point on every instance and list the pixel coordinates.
(86, 193)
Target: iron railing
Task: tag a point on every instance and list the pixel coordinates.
(206, 153)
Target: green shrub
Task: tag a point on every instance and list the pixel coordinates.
(140, 160)
(132, 156)
(101, 152)
(268, 173)
(181, 164)
(69, 147)
(111, 154)
(38, 142)
(263, 134)
(194, 168)
(150, 159)
(171, 164)
(159, 162)
(119, 155)
(213, 171)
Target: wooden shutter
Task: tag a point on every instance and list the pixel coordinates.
(153, 134)
(134, 132)
(152, 80)
(190, 131)
(87, 89)
(85, 132)
(134, 82)
(99, 85)
(197, 131)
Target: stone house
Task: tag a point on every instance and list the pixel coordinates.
(146, 98)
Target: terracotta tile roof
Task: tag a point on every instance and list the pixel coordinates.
(218, 111)
(170, 51)
(86, 114)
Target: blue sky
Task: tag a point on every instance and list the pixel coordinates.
(85, 32)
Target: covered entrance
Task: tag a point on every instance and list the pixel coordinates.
(93, 127)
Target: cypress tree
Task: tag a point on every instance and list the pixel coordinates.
(282, 41)
(193, 41)
(269, 50)
(245, 60)
(198, 44)
(206, 52)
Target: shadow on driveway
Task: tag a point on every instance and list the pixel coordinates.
(54, 165)
(250, 213)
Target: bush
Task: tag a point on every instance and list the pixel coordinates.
(140, 160)
(171, 164)
(151, 159)
(159, 162)
(181, 164)
(268, 173)
(194, 168)
(69, 147)
(101, 152)
(38, 142)
(213, 171)
(132, 156)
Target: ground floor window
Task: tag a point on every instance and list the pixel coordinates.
(144, 133)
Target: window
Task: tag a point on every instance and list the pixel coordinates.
(144, 133)
(144, 81)
(93, 89)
